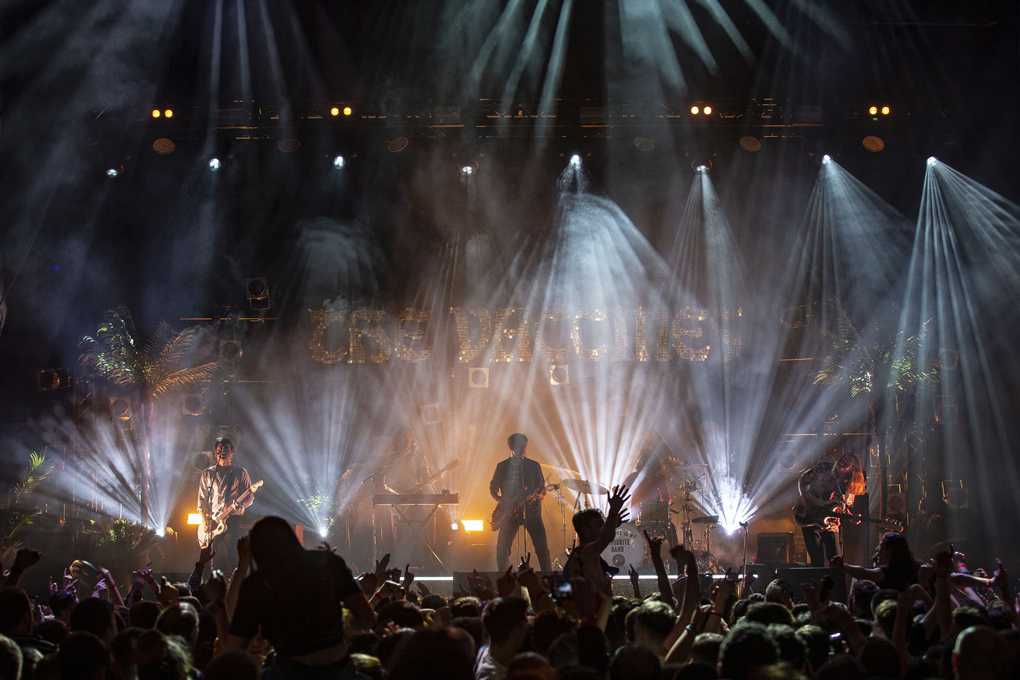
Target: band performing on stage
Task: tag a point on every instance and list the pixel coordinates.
(400, 505)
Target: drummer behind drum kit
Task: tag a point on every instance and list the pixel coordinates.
(629, 548)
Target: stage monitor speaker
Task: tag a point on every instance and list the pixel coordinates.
(774, 548)
(795, 577)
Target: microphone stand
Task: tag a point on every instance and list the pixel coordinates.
(743, 525)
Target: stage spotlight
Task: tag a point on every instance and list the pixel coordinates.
(168, 113)
(702, 168)
(258, 293)
(334, 111)
(348, 111)
(214, 164)
(873, 143)
(230, 350)
(886, 110)
(472, 526)
(559, 374)
(932, 161)
(194, 518)
(872, 110)
(50, 379)
(121, 410)
(644, 143)
(575, 162)
(397, 144)
(695, 110)
(826, 159)
(707, 110)
(454, 526)
(338, 162)
(156, 113)
(323, 531)
(161, 531)
(192, 405)
(478, 377)
(467, 171)
(111, 172)
(750, 144)
(164, 146)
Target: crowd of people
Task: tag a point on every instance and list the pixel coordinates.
(288, 612)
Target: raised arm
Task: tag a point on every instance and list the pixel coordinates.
(616, 516)
(854, 570)
(692, 583)
(655, 551)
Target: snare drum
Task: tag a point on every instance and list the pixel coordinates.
(627, 549)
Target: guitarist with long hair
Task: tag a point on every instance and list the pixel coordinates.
(518, 487)
(223, 488)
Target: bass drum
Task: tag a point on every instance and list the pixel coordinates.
(628, 549)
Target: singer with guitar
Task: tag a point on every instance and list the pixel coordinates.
(518, 488)
(224, 490)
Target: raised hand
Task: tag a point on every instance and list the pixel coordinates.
(681, 554)
(382, 566)
(525, 563)
(369, 583)
(506, 583)
(244, 550)
(654, 546)
(944, 563)
(618, 497)
(205, 555)
(25, 558)
(422, 589)
(408, 578)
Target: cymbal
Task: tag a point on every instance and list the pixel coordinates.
(560, 468)
(584, 486)
(707, 519)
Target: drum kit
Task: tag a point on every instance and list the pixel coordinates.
(629, 548)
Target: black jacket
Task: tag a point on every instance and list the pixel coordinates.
(531, 476)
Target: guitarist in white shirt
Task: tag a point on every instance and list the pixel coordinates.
(518, 487)
(220, 486)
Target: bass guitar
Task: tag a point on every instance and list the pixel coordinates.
(508, 510)
(217, 524)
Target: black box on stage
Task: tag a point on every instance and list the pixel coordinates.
(795, 577)
(774, 548)
(470, 552)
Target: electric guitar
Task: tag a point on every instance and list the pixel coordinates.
(507, 510)
(213, 526)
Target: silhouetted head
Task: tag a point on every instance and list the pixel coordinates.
(517, 443)
(274, 545)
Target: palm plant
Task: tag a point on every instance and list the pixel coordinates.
(20, 512)
(147, 371)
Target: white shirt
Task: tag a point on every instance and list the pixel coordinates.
(486, 666)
